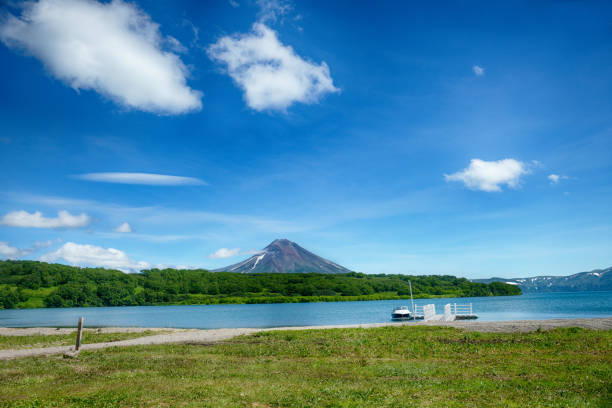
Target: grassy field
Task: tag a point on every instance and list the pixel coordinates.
(21, 342)
(388, 366)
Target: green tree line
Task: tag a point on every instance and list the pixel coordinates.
(40, 284)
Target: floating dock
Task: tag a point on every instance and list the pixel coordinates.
(452, 312)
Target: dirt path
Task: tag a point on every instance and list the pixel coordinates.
(48, 331)
(179, 336)
(184, 336)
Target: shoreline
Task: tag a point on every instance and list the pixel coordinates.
(466, 324)
(276, 300)
(211, 336)
(311, 299)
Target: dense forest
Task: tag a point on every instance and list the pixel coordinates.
(29, 284)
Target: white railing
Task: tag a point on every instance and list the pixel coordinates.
(429, 311)
(461, 310)
(452, 311)
(448, 316)
(418, 311)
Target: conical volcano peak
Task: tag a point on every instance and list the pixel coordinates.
(284, 256)
(280, 243)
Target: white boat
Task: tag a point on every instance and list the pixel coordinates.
(402, 313)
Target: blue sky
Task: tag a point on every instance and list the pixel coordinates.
(471, 139)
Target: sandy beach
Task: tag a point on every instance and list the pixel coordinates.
(196, 336)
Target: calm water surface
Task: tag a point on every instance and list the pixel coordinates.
(525, 307)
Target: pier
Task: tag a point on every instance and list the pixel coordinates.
(452, 312)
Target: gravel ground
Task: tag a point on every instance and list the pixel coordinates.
(194, 336)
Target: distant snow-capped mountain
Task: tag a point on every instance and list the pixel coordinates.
(284, 256)
(598, 279)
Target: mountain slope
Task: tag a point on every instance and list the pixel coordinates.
(284, 256)
(598, 279)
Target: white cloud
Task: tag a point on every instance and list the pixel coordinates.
(555, 178)
(234, 3)
(112, 48)
(125, 227)
(90, 255)
(9, 252)
(141, 178)
(36, 220)
(169, 266)
(478, 70)
(490, 175)
(228, 253)
(46, 244)
(271, 74)
(224, 253)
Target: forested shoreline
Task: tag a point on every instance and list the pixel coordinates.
(32, 284)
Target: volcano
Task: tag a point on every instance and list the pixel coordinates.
(284, 256)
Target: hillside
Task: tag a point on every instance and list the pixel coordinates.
(38, 284)
(598, 279)
(284, 256)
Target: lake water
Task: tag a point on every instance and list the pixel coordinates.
(524, 307)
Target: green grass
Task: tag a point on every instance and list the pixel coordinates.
(35, 297)
(389, 366)
(20, 342)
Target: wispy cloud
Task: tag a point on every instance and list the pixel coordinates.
(157, 238)
(478, 70)
(36, 220)
(555, 178)
(490, 175)
(175, 45)
(124, 228)
(271, 10)
(224, 253)
(220, 225)
(91, 255)
(271, 74)
(162, 224)
(121, 211)
(10, 252)
(228, 253)
(149, 179)
(113, 48)
(159, 215)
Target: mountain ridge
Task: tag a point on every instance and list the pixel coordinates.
(284, 256)
(597, 279)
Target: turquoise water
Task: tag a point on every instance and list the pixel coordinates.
(525, 307)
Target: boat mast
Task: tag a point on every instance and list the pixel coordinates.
(412, 301)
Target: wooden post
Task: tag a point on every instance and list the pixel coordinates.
(79, 334)
(412, 301)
